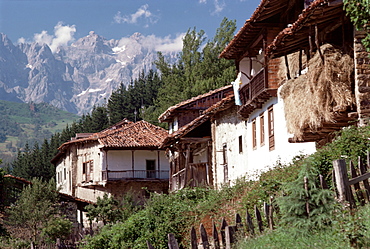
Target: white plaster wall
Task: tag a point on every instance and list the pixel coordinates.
(245, 67)
(122, 159)
(119, 160)
(64, 168)
(228, 128)
(251, 162)
(90, 194)
(87, 152)
(261, 158)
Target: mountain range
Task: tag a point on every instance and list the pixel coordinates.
(76, 77)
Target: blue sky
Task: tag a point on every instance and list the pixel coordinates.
(68, 20)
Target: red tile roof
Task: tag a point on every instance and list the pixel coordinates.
(126, 134)
(136, 135)
(226, 90)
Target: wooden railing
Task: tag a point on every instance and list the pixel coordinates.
(134, 174)
(251, 90)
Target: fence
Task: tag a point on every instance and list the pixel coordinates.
(358, 184)
(223, 237)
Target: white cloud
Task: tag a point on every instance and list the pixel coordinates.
(219, 6)
(202, 1)
(154, 43)
(63, 34)
(21, 40)
(167, 44)
(142, 13)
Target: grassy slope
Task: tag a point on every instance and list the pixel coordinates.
(23, 123)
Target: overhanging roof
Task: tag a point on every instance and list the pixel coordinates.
(326, 14)
(225, 103)
(250, 32)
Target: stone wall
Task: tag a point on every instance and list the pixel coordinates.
(362, 79)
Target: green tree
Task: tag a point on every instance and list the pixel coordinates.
(306, 209)
(106, 210)
(36, 207)
(359, 13)
(198, 69)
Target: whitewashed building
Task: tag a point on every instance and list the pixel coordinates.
(125, 157)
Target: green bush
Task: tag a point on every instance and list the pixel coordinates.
(293, 203)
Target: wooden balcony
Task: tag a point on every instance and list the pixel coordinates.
(114, 175)
(255, 93)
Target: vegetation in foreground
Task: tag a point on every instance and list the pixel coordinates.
(328, 225)
(130, 226)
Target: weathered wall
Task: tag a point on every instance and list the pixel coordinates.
(250, 162)
(228, 127)
(141, 189)
(362, 79)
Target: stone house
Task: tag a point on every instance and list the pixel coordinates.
(125, 157)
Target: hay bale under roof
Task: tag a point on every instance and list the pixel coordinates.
(313, 98)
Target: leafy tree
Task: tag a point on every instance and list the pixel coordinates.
(105, 210)
(198, 69)
(109, 210)
(35, 209)
(359, 13)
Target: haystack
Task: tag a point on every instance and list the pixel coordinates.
(313, 98)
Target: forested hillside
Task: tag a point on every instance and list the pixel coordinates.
(20, 122)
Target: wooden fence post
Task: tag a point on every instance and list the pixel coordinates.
(216, 242)
(366, 182)
(222, 231)
(172, 242)
(266, 212)
(358, 192)
(229, 236)
(341, 180)
(250, 226)
(203, 236)
(305, 179)
(150, 246)
(258, 218)
(193, 238)
(323, 183)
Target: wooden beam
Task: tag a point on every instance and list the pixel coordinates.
(287, 67)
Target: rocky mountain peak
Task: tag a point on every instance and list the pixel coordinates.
(75, 77)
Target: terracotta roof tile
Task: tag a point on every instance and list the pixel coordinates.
(126, 134)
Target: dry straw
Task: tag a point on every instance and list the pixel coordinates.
(313, 98)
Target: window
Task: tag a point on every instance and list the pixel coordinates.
(65, 174)
(262, 130)
(240, 144)
(84, 168)
(271, 128)
(254, 134)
